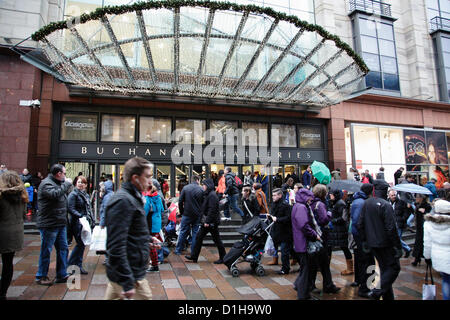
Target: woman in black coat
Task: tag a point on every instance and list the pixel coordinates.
(13, 206)
(338, 236)
(422, 208)
(79, 206)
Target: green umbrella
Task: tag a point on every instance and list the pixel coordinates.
(321, 172)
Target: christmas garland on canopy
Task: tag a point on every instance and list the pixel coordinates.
(169, 4)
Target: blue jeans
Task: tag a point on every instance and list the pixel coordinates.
(187, 224)
(232, 201)
(53, 237)
(76, 257)
(404, 245)
(445, 286)
(409, 221)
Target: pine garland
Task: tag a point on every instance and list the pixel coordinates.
(169, 4)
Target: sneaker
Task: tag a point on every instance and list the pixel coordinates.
(225, 219)
(283, 272)
(191, 259)
(153, 269)
(83, 271)
(44, 281)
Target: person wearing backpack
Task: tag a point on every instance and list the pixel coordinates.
(339, 231)
(154, 208)
(232, 191)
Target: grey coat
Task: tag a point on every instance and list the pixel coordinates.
(12, 210)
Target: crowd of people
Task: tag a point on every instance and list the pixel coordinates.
(309, 222)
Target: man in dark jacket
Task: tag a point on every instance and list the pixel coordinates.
(189, 205)
(281, 231)
(26, 176)
(232, 191)
(362, 259)
(128, 239)
(398, 174)
(52, 223)
(307, 177)
(210, 222)
(401, 211)
(378, 232)
(381, 188)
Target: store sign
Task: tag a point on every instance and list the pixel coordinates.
(196, 154)
(311, 137)
(79, 127)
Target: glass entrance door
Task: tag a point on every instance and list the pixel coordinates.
(182, 175)
(164, 178)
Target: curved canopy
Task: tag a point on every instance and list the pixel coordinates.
(203, 49)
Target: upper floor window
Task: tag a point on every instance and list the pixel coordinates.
(81, 127)
(378, 51)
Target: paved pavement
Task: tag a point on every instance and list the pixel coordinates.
(179, 279)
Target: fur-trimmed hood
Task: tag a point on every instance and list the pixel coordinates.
(438, 218)
(13, 193)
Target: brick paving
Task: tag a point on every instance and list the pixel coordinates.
(179, 279)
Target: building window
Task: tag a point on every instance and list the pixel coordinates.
(378, 51)
(155, 130)
(287, 136)
(80, 127)
(255, 134)
(190, 131)
(310, 137)
(438, 8)
(118, 128)
(222, 127)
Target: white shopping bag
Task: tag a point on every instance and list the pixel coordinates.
(269, 248)
(98, 242)
(429, 290)
(86, 232)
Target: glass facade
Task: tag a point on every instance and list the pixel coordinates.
(82, 127)
(155, 130)
(438, 8)
(423, 152)
(190, 131)
(287, 135)
(378, 51)
(222, 126)
(310, 137)
(118, 128)
(255, 134)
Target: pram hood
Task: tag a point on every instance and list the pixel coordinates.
(252, 226)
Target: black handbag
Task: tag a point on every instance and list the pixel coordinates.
(314, 247)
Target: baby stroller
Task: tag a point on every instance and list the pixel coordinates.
(251, 248)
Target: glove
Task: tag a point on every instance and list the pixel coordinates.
(365, 247)
(398, 252)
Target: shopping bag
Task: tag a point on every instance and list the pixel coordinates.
(429, 290)
(86, 232)
(98, 241)
(269, 248)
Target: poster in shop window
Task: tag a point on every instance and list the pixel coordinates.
(415, 147)
(436, 147)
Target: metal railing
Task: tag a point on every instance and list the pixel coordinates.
(371, 6)
(440, 23)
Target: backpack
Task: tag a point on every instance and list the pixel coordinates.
(238, 181)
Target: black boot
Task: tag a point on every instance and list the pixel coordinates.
(416, 262)
(407, 254)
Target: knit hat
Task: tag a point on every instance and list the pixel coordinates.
(442, 206)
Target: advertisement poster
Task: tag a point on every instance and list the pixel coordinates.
(436, 147)
(415, 150)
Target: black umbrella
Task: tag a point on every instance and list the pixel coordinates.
(349, 185)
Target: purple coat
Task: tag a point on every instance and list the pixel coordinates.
(302, 227)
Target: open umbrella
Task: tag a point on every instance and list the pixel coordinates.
(321, 172)
(411, 188)
(349, 185)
